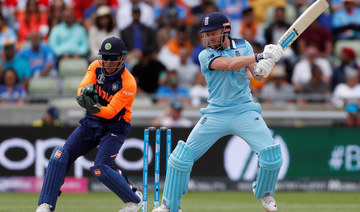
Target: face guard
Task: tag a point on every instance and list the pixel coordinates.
(215, 42)
(111, 65)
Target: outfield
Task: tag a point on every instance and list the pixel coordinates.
(194, 202)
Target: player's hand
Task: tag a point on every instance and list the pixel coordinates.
(92, 105)
(88, 90)
(274, 52)
(264, 67)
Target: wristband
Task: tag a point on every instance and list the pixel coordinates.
(259, 57)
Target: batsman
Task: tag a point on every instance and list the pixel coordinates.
(231, 110)
(107, 93)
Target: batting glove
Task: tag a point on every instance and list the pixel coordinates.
(264, 67)
(274, 52)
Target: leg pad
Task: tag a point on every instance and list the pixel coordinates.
(270, 161)
(177, 175)
(55, 176)
(115, 181)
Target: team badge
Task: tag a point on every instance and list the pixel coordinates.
(206, 21)
(100, 79)
(97, 172)
(108, 46)
(114, 86)
(58, 154)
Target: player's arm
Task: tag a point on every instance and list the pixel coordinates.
(120, 100)
(233, 63)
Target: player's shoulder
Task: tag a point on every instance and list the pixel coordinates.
(207, 54)
(93, 65)
(240, 43)
(128, 78)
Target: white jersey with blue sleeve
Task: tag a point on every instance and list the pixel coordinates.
(227, 88)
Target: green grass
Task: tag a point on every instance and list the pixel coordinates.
(194, 202)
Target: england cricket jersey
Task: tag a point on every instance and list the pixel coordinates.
(227, 88)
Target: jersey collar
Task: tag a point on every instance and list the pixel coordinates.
(232, 43)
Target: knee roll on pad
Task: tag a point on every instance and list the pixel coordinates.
(270, 161)
(177, 175)
(115, 182)
(54, 177)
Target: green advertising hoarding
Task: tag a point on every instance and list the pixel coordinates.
(322, 153)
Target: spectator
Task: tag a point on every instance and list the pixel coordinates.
(55, 13)
(346, 21)
(171, 91)
(347, 95)
(50, 118)
(161, 13)
(168, 31)
(69, 39)
(32, 19)
(138, 38)
(316, 90)
(316, 35)
(186, 69)
(90, 13)
(302, 69)
(233, 9)
(248, 23)
(347, 59)
(124, 17)
(104, 28)
(8, 13)
(7, 34)
(199, 92)
(40, 56)
(10, 91)
(260, 8)
(172, 117)
(9, 59)
(277, 90)
(169, 54)
(198, 12)
(149, 74)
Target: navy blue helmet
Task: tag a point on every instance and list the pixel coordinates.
(214, 21)
(113, 46)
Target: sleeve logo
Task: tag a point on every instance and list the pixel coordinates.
(58, 154)
(128, 93)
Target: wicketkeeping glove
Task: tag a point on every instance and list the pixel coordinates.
(89, 99)
(264, 67)
(274, 52)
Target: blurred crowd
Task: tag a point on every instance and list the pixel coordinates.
(163, 40)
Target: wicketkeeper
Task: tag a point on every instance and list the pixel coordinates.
(107, 93)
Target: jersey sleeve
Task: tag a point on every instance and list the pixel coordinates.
(90, 76)
(206, 57)
(122, 99)
(249, 49)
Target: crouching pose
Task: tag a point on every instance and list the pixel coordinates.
(107, 93)
(224, 63)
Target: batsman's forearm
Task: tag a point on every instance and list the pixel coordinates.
(233, 63)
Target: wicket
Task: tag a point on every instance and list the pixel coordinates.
(157, 162)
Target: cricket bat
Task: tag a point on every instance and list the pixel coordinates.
(303, 22)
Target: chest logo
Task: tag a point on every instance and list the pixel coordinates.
(100, 79)
(115, 87)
